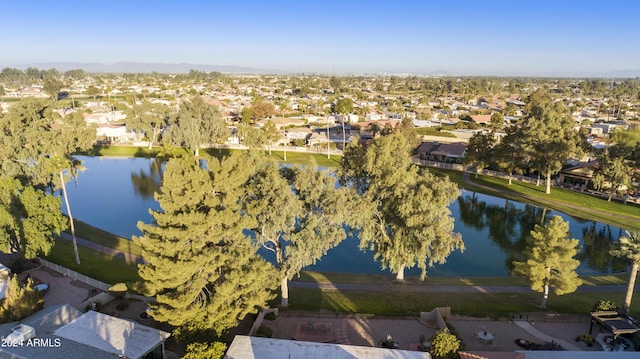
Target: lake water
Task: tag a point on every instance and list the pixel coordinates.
(115, 193)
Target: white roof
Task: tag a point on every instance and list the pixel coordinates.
(5, 277)
(113, 335)
(244, 347)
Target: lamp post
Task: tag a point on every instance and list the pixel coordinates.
(328, 140)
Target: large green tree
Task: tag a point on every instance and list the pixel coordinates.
(550, 261)
(298, 214)
(508, 153)
(551, 138)
(628, 246)
(200, 267)
(479, 151)
(30, 219)
(52, 87)
(405, 219)
(196, 123)
(613, 174)
(148, 119)
(40, 147)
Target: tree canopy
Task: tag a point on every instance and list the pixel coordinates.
(147, 119)
(201, 268)
(549, 134)
(196, 123)
(549, 259)
(298, 214)
(404, 218)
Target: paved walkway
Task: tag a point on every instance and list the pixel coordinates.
(538, 334)
(132, 258)
(128, 257)
(443, 288)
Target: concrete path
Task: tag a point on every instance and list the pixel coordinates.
(128, 257)
(538, 334)
(132, 258)
(443, 288)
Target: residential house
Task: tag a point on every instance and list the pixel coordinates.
(442, 152)
(64, 332)
(245, 347)
(481, 119)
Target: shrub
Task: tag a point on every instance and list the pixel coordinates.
(445, 345)
(118, 289)
(604, 305)
(20, 302)
(213, 350)
(586, 338)
(264, 331)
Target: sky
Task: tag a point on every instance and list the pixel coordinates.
(500, 38)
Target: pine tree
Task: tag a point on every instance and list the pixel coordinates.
(200, 266)
(19, 302)
(549, 262)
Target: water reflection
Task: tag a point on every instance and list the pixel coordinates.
(509, 226)
(115, 193)
(147, 182)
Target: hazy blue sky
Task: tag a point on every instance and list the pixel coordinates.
(465, 37)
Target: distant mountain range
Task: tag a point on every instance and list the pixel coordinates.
(142, 67)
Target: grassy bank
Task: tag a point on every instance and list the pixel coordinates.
(351, 278)
(96, 235)
(292, 157)
(590, 207)
(94, 264)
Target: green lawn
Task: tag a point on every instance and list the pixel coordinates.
(94, 264)
(492, 305)
(330, 277)
(292, 157)
(538, 197)
(105, 238)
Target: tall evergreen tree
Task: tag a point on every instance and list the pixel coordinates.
(298, 214)
(201, 268)
(549, 262)
(550, 136)
(405, 219)
(19, 302)
(509, 154)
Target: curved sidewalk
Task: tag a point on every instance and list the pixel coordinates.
(538, 334)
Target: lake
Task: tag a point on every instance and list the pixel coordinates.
(115, 193)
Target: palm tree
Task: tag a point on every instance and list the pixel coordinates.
(629, 247)
(60, 165)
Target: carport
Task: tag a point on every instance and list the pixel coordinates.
(616, 323)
